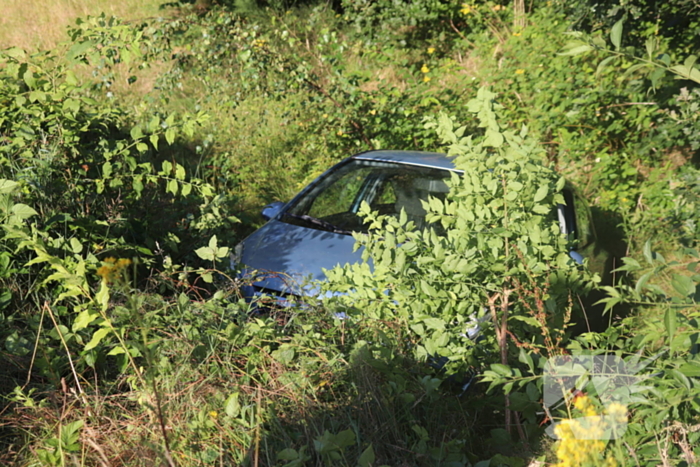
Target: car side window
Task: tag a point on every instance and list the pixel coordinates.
(339, 197)
(585, 234)
(578, 218)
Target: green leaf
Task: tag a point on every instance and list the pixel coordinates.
(136, 133)
(285, 354)
(167, 168)
(573, 50)
(76, 246)
(106, 170)
(70, 435)
(500, 369)
(72, 105)
(15, 52)
(97, 338)
(684, 285)
(102, 295)
(690, 61)
(29, 79)
(172, 187)
(71, 79)
(367, 457)
(83, 319)
(17, 345)
(525, 357)
(137, 185)
(684, 72)
(691, 369)
(205, 253)
(493, 139)
(670, 321)
(642, 282)
(23, 211)
(541, 193)
(435, 323)
(287, 454)
(345, 438)
(79, 49)
(7, 186)
(604, 63)
(180, 172)
(170, 135)
(646, 251)
(232, 406)
(616, 34)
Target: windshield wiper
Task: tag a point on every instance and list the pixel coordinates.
(319, 223)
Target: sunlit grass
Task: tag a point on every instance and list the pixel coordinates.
(41, 24)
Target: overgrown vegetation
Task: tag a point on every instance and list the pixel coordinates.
(134, 155)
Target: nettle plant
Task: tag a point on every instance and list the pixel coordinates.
(493, 252)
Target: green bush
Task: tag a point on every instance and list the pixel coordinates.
(493, 252)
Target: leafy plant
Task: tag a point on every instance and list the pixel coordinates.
(498, 241)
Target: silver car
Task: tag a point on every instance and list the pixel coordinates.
(313, 231)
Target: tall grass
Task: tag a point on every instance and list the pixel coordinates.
(41, 24)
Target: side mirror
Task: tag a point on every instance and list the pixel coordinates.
(272, 209)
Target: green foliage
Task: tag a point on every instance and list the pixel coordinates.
(82, 179)
(407, 22)
(298, 93)
(497, 239)
(111, 190)
(662, 404)
(675, 21)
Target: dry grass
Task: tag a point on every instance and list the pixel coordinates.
(41, 24)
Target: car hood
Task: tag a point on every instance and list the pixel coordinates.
(285, 258)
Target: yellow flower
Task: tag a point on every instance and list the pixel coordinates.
(575, 448)
(584, 404)
(340, 132)
(617, 411)
(516, 34)
(498, 7)
(103, 272)
(373, 112)
(425, 68)
(112, 268)
(431, 50)
(426, 79)
(213, 414)
(466, 9)
(519, 71)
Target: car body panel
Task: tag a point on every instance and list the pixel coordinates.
(286, 257)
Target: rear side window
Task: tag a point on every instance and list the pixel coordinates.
(577, 216)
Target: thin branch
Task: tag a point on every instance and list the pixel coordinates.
(65, 346)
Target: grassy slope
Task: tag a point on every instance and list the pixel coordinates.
(41, 24)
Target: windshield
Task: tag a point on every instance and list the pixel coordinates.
(333, 203)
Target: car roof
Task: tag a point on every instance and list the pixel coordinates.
(434, 160)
